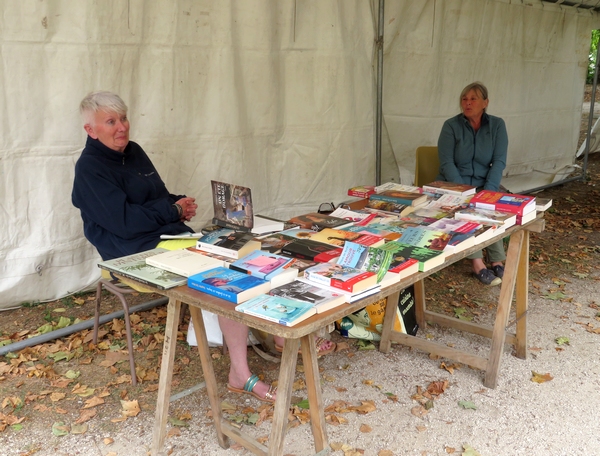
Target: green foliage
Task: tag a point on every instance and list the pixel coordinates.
(593, 51)
(31, 304)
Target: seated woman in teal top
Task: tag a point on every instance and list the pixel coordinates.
(472, 149)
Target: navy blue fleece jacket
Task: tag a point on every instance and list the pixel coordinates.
(124, 204)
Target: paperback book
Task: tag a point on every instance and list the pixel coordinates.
(183, 262)
(232, 206)
(422, 237)
(316, 221)
(274, 242)
(228, 284)
(342, 277)
(135, 267)
(350, 296)
(235, 245)
(449, 188)
(285, 311)
(320, 298)
(485, 216)
(397, 187)
(426, 258)
(448, 203)
(267, 266)
(505, 202)
(400, 197)
(340, 237)
(361, 191)
(372, 259)
(307, 249)
(389, 206)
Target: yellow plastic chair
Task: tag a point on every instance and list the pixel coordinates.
(427, 165)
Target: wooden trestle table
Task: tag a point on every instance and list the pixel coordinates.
(516, 275)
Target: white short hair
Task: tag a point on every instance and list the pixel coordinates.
(100, 101)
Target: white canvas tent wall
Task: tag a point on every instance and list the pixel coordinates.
(275, 95)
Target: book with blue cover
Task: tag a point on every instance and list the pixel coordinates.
(278, 309)
(228, 284)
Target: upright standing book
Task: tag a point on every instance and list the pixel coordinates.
(135, 267)
(285, 311)
(228, 284)
(232, 206)
(504, 202)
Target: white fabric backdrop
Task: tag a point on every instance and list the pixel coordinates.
(275, 95)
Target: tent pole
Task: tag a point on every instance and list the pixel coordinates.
(378, 112)
(17, 346)
(591, 116)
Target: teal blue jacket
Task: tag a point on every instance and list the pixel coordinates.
(474, 158)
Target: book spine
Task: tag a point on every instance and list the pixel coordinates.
(391, 199)
(443, 191)
(264, 317)
(219, 293)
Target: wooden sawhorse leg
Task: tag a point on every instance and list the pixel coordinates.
(166, 375)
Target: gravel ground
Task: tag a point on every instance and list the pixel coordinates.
(519, 417)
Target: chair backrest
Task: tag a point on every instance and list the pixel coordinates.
(427, 165)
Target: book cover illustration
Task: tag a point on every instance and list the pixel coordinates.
(315, 221)
(448, 203)
(232, 205)
(214, 237)
(261, 264)
(135, 267)
(372, 259)
(421, 237)
(320, 298)
(228, 284)
(274, 242)
(399, 262)
(278, 309)
(427, 258)
(377, 230)
(390, 206)
(340, 237)
(400, 197)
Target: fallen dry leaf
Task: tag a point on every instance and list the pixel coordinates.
(540, 378)
(365, 428)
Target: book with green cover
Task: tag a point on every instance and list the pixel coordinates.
(365, 258)
(427, 258)
(135, 267)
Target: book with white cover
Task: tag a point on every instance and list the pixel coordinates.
(350, 297)
(183, 262)
(320, 298)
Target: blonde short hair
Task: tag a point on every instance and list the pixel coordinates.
(478, 87)
(100, 101)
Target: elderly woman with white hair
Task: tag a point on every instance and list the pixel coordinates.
(126, 207)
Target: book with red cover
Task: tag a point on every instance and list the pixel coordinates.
(504, 202)
(451, 188)
(361, 191)
(337, 276)
(339, 238)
